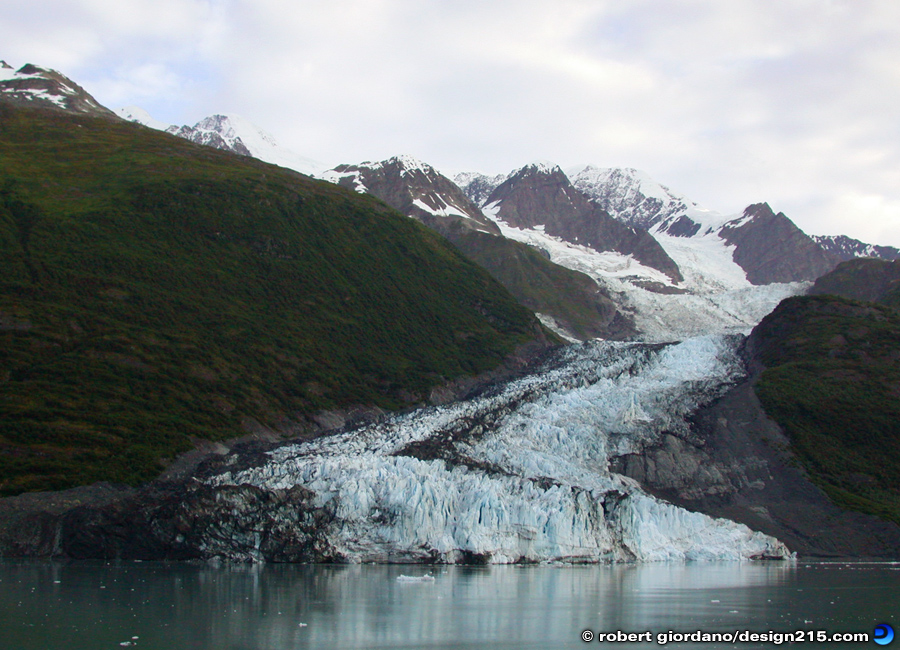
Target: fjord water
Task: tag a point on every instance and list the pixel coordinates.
(94, 606)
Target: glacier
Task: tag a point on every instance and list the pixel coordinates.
(520, 472)
(714, 297)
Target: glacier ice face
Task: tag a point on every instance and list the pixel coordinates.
(521, 471)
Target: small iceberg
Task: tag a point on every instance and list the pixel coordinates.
(425, 578)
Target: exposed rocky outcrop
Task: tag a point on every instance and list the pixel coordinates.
(770, 248)
(417, 190)
(737, 464)
(847, 248)
(212, 132)
(165, 521)
(542, 195)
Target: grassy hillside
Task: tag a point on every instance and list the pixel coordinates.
(833, 383)
(154, 290)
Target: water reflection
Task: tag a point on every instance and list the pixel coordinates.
(254, 607)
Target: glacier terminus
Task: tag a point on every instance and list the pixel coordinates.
(520, 472)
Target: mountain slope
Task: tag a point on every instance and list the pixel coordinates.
(831, 382)
(156, 291)
(847, 248)
(230, 133)
(33, 85)
(863, 279)
(770, 248)
(417, 190)
(633, 197)
(566, 300)
(540, 195)
(767, 246)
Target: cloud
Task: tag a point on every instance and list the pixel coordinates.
(794, 103)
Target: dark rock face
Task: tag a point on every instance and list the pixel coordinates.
(847, 248)
(770, 248)
(736, 463)
(538, 196)
(682, 227)
(36, 86)
(168, 521)
(861, 279)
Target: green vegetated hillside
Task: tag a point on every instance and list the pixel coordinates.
(153, 291)
(832, 381)
(574, 300)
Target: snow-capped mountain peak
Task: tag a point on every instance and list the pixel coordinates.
(542, 167)
(233, 133)
(38, 86)
(410, 164)
(633, 196)
(404, 164)
(139, 115)
(478, 186)
(233, 127)
(416, 189)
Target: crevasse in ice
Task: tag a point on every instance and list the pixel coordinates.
(521, 471)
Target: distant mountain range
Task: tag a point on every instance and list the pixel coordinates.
(230, 133)
(606, 237)
(568, 301)
(165, 285)
(847, 248)
(634, 233)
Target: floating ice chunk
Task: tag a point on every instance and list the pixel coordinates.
(424, 578)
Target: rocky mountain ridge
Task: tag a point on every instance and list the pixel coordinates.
(33, 85)
(770, 248)
(541, 196)
(847, 248)
(416, 189)
(566, 300)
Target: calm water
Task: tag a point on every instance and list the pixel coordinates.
(85, 606)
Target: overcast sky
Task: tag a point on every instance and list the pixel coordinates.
(793, 102)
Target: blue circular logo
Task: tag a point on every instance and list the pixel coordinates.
(884, 634)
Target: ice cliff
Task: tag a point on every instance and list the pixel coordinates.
(520, 472)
